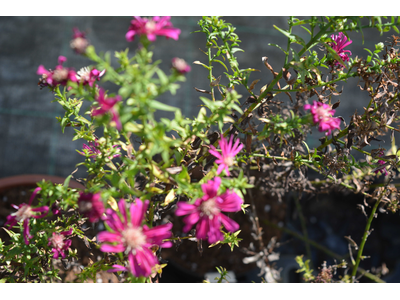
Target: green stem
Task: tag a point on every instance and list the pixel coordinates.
(364, 238)
(210, 76)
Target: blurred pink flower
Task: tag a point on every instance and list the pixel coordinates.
(60, 75)
(151, 28)
(206, 212)
(226, 158)
(57, 240)
(338, 44)
(24, 213)
(93, 150)
(130, 237)
(322, 115)
(87, 76)
(107, 105)
(79, 43)
(91, 206)
(180, 65)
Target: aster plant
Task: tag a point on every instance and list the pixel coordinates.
(146, 175)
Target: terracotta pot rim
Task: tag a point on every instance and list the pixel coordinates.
(32, 179)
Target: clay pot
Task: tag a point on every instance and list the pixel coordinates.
(31, 180)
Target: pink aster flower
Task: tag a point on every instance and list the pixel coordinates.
(206, 212)
(59, 243)
(338, 44)
(322, 115)
(226, 158)
(107, 105)
(180, 65)
(79, 43)
(93, 150)
(381, 162)
(24, 213)
(91, 206)
(60, 75)
(151, 28)
(129, 236)
(87, 76)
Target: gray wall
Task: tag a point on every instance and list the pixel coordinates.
(30, 136)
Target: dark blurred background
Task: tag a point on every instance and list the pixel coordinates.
(30, 137)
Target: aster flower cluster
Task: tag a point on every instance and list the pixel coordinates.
(60, 75)
(79, 42)
(106, 105)
(24, 213)
(322, 114)
(135, 240)
(206, 212)
(59, 243)
(89, 76)
(94, 151)
(339, 42)
(152, 27)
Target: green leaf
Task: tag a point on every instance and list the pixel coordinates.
(293, 38)
(277, 46)
(161, 106)
(216, 60)
(199, 63)
(235, 49)
(66, 182)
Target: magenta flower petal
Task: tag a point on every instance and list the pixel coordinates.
(151, 28)
(138, 211)
(231, 202)
(112, 248)
(27, 235)
(117, 268)
(228, 153)
(110, 237)
(210, 189)
(322, 114)
(206, 212)
(184, 208)
(228, 223)
(132, 239)
(339, 42)
(91, 206)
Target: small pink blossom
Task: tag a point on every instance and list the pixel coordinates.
(59, 243)
(79, 43)
(381, 162)
(106, 105)
(338, 44)
(91, 206)
(322, 114)
(151, 28)
(206, 212)
(180, 65)
(128, 236)
(226, 158)
(87, 76)
(60, 75)
(93, 150)
(24, 213)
